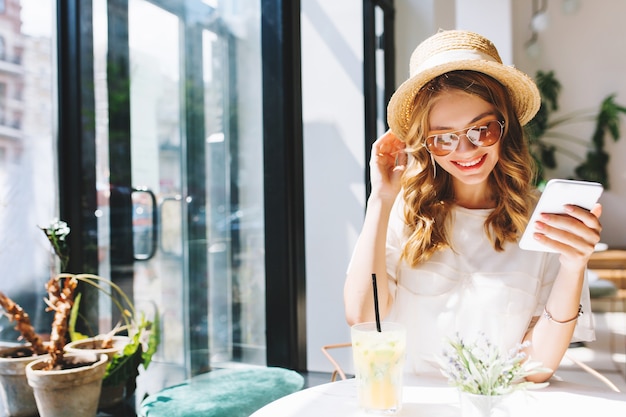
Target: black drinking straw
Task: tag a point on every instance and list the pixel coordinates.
(376, 302)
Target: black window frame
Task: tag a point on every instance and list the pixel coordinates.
(371, 43)
(285, 295)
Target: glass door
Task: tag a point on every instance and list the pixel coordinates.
(179, 174)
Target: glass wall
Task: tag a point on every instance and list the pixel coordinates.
(193, 145)
(175, 121)
(28, 187)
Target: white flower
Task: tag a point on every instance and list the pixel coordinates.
(56, 234)
(481, 368)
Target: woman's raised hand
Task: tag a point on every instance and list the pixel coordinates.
(573, 234)
(387, 163)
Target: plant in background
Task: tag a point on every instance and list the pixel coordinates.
(60, 300)
(481, 368)
(61, 293)
(545, 140)
(56, 233)
(16, 313)
(143, 334)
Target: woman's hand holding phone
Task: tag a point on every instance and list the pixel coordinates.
(566, 220)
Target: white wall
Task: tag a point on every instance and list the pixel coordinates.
(586, 51)
(471, 15)
(415, 21)
(332, 83)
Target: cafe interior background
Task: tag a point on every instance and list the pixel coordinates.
(210, 156)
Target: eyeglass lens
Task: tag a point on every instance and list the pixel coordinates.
(444, 143)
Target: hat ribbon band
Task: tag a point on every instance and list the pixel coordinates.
(452, 56)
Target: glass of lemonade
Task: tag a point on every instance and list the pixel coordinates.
(378, 365)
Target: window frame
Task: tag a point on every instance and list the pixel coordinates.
(285, 294)
(372, 43)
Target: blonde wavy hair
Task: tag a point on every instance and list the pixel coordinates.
(429, 198)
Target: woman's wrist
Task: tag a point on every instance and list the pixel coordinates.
(572, 268)
(381, 200)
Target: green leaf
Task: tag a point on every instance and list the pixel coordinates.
(594, 168)
(123, 366)
(549, 88)
(154, 337)
(74, 335)
(607, 122)
(548, 156)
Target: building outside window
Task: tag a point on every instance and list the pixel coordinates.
(27, 155)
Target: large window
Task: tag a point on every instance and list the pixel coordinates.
(160, 177)
(144, 130)
(27, 156)
(179, 175)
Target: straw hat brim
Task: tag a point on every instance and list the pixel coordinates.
(522, 90)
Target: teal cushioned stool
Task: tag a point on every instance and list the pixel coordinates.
(223, 393)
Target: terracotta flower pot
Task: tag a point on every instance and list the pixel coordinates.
(113, 394)
(17, 395)
(92, 345)
(72, 392)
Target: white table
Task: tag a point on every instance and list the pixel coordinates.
(432, 397)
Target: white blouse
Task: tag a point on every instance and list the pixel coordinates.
(470, 288)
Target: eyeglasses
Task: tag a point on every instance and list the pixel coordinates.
(442, 144)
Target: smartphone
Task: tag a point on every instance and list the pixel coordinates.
(557, 194)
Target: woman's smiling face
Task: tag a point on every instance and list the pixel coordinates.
(454, 111)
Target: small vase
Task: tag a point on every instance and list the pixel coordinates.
(476, 405)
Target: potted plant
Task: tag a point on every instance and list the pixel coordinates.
(16, 394)
(120, 367)
(546, 140)
(484, 375)
(117, 374)
(126, 353)
(65, 385)
(55, 371)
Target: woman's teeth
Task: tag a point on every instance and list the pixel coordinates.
(470, 163)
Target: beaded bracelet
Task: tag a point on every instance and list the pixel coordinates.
(548, 316)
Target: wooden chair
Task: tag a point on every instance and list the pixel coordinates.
(337, 369)
(593, 373)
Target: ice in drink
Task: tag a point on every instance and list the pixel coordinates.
(378, 365)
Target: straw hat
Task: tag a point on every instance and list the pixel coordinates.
(459, 50)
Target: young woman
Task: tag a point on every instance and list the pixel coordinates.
(451, 196)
